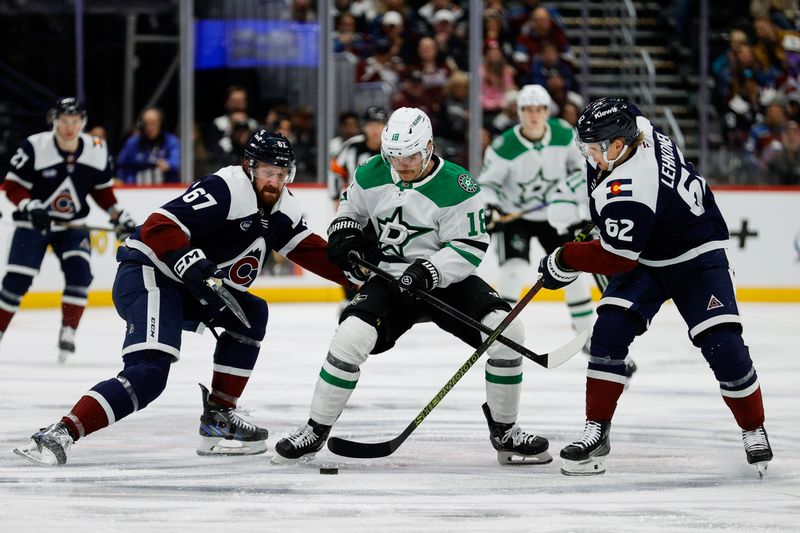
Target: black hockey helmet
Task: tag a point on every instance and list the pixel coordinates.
(69, 105)
(375, 114)
(606, 119)
(271, 148)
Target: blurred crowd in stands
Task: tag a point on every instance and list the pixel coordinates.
(757, 95)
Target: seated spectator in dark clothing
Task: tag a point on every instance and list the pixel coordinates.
(240, 134)
(539, 29)
(548, 61)
(412, 94)
(453, 118)
(764, 139)
(219, 131)
(152, 156)
(771, 42)
(433, 71)
(570, 112)
(424, 22)
(507, 117)
(393, 28)
(452, 47)
(381, 66)
(784, 168)
(495, 28)
(346, 38)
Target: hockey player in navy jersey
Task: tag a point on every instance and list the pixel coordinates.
(662, 236)
(51, 175)
(218, 232)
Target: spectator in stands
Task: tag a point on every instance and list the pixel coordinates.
(392, 28)
(570, 112)
(764, 139)
(348, 128)
(218, 137)
(549, 61)
(495, 28)
(412, 94)
(305, 143)
(507, 117)
(722, 65)
(240, 134)
(769, 49)
(784, 168)
(497, 77)
(453, 119)
(451, 46)
(361, 10)
(424, 21)
(560, 93)
(539, 29)
(432, 69)
(783, 13)
(303, 11)
(151, 156)
(346, 38)
(381, 66)
(99, 132)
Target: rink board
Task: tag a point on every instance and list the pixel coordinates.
(765, 248)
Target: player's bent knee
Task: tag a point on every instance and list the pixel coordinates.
(614, 332)
(724, 349)
(514, 331)
(257, 313)
(77, 271)
(146, 372)
(353, 341)
(16, 283)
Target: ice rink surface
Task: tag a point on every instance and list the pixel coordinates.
(677, 461)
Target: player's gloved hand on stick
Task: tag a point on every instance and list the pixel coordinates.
(420, 275)
(123, 223)
(492, 215)
(37, 213)
(345, 235)
(192, 267)
(554, 274)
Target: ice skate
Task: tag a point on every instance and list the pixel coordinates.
(303, 444)
(66, 343)
(514, 446)
(757, 448)
(223, 431)
(587, 455)
(48, 446)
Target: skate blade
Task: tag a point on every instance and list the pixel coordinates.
(761, 468)
(515, 459)
(42, 458)
(63, 356)
(278, 459)
(218, 446)
(591, 467)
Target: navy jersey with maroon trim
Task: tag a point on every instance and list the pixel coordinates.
(655, 208)
(60, 180)
(219, 214)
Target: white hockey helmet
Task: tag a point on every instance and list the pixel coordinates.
(407, 134)
(533, 95)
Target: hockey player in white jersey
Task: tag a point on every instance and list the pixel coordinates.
(662, 236)
(521, 171)
(428, 215)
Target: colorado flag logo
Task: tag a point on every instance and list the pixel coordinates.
(619, 188)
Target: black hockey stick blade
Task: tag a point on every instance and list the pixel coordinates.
(228, 299)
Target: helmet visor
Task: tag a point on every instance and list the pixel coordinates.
(268, 172)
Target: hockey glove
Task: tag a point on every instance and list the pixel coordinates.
(492, 216)
(192, 267)
(420, 275)
(554, 274)
(345, 235)
(36, 212)
(124, 226)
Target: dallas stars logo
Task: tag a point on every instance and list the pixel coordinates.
(537, 188)
(395, 233)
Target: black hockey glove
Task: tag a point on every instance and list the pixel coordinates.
(124, 226)
(491, 216)
(554, 274)
(345, 235)
(192, 267)
(420, 275)
(36, 212)
(574, 230)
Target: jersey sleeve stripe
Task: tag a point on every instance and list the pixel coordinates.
(480, 245)
(16, 179)
(294, 242)
(106, 185)
(472, 259)
(627, 254)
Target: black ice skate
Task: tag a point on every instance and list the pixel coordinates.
(66, 343)
(304, 443)
(513, 445)
(48, 446)
(757, 448)
(223, 431)
(587, 455)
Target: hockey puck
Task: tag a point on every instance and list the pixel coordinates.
(329, 471)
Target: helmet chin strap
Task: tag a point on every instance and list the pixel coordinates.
(612, 162)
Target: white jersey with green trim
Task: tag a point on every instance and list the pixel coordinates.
(439, 218)
(520, 175)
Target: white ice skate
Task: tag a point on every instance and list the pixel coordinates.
(48, 446)
(66, 343)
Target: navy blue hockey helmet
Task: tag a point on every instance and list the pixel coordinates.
(606, 119)
(66, 106)
(271, 148)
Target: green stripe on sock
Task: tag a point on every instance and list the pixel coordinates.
(336, 382)
(582, 314)
(504, 380)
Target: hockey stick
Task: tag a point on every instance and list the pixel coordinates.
(87, 227)
(365, 450)
(494, 225)
(453, 312)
